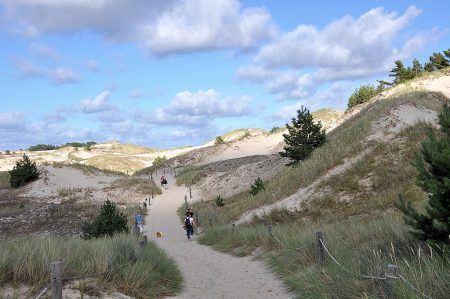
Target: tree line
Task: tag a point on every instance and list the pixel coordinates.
(47, 147)
(400, 74)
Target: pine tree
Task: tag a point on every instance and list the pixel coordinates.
(257, 187)
(399, 72)
(447, 54)
(417, 68)
(303, 137)
(436, 62)
(23, 172)
(108, 222)
(434, 179)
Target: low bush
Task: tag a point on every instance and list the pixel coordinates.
(24, 172)
(219, 140)
(257, 187)
(219, 201)
(108, 222)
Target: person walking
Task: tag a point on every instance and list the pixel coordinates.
(145, 204)
(139, 222)
(189, 225)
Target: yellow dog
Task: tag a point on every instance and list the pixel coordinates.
(159, 234)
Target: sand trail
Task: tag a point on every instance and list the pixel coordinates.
(207, 273)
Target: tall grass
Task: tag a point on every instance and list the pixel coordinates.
(143, 186)
(4, 179)
(142, 272)
(363, 233)
(362, 246)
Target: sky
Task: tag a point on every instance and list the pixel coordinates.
(169, 73)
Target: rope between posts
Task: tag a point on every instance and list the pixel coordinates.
(43, 291)
(346, 270)
(285, 245)
(97, 274)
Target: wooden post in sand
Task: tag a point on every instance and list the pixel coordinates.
(56, 270)
(185, 202)
(210, 222)
(190, 192)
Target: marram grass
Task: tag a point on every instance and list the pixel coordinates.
(141, 272)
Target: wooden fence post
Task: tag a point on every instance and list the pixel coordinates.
(269, 229)
(319, 247)
(210, 222)
(233, 227)
(151, 175)
(185, 202)
(56, 272)
(190, 192)
(164, 171)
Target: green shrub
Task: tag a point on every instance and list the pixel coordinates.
(7, 152)
(275, 130)
(303, 137)
(108, 222)
(219, 140)
(42, 147)
(219, 201)
(361, 95)
(24, 172)
(257, 187)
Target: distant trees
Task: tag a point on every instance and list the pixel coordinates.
(159, 161)
(303, 137)
(401, 74)
(47, 147)
(434, 178)
(108, 222)
(361, 95)
(23, 172)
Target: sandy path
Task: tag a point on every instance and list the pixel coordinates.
(208, 273)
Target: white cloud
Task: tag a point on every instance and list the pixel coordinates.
(296, 63)
(97, 104)
(209, 103)
(63, 75)
(333, 97)
(27, 69)
(163, 27)
(45, 51)
(57, 75)
(202, 25)
(12, 121)
(348, 42)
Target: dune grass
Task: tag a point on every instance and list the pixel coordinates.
(363, 246)
(144, 186)
(365, 233)
(4, 179)
(141, 272)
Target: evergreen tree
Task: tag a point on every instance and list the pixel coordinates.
(434, 179)
(399, 72)
(24, 172)
(417, 68)
(257, 187)
(437, 62)
(447, 54)
(303, 137)
(108, 222)
(362, 94)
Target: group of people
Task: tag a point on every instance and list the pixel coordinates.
(189, 222)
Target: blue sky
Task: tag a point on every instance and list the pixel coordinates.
(167, 73)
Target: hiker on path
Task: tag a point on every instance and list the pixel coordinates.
(163, 182)
(189, 224)
(139, 222)
(145, 204)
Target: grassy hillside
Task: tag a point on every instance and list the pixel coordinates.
(141, 272)
(355, 209)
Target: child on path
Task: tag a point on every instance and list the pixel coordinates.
(163, 182)
(189, 224)
(139, 222)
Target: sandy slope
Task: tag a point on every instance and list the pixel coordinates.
(208, 273)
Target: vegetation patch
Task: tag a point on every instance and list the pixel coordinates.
(137, 271)
(4, 179)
